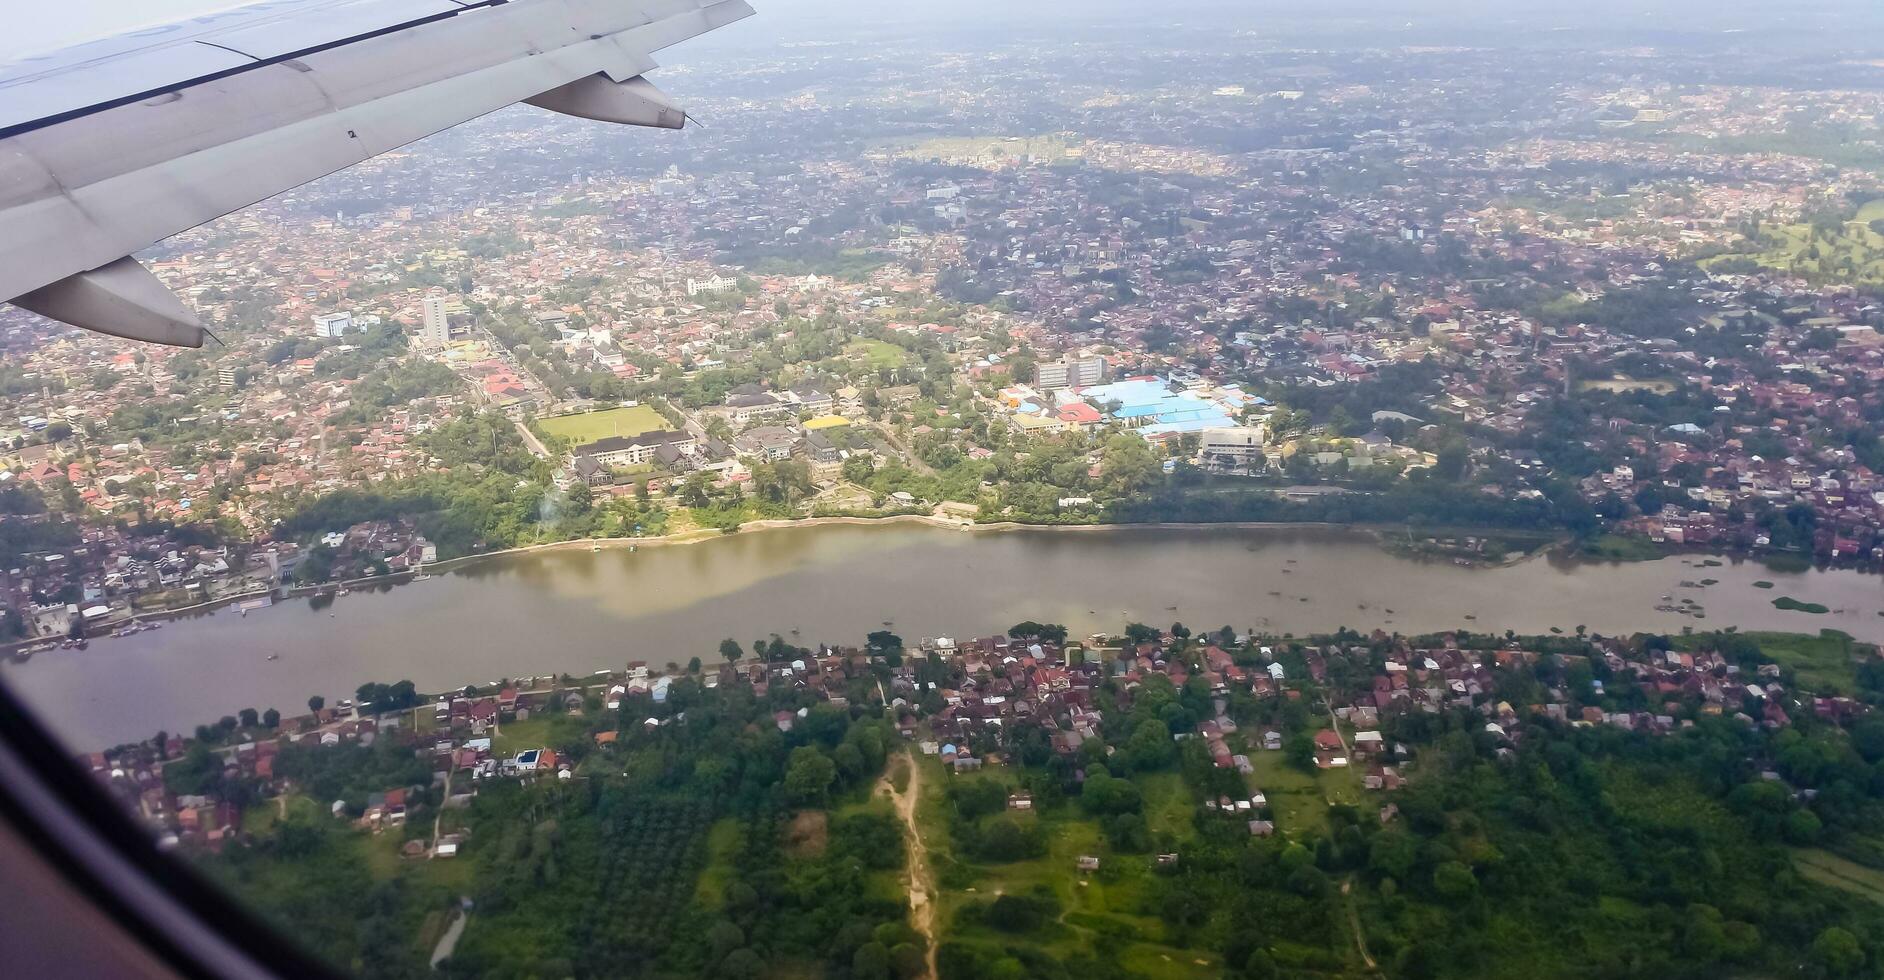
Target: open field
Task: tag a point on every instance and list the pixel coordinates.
(877, 353)
(590, 426)
(848, 264)
(723, 843)
(540, 731)
(988, 150)
(1821, 663)
(1111, 903)
(1617, 547)
(1625, 385)
(1299, 800)
(1827, 868)
(1854, 253)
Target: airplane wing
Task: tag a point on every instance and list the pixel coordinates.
(113, 146)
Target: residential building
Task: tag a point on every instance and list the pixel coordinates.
(434, 325)
(1070, 371)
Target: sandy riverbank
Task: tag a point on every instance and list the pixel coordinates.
(709, 534)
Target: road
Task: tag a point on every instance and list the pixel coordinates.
(922, 890)
(530, 440)
(915, 463)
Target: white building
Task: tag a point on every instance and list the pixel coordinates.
(711, 284)
(331, 325)
(1234, 449)
(1070, 371)
(434, 326)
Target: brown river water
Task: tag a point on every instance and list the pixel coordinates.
(577, 611)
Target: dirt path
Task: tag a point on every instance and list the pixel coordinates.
(438, 821)
(922, 891)
(1354, 920)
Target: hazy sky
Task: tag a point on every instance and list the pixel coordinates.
(41, 26)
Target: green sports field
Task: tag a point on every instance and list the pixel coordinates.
(590, 426)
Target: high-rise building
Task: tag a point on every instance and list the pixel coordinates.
(332, 325)
(1071, 371)
(226, 377)
(435, 326)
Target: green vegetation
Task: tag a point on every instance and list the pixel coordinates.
(587, 427)
(1788, 602)
(877, 354)
(850, 264)
(986, 150)
(1762, 584)
(668, 857)
(1619, 547)
(1850, 252)
(717, 845)
(1659, 386)
(1829, 869)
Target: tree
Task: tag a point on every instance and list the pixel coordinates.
(1802, 827)
(1128, 466)
(1299, 750)
(1140, 633)
(1451, 459)
(1030, 630)
(1454, 880)
(809, 776)
(731, 650)
(315, 704)
(742, 964)
(1837, 952)
(870, 962)
(271, 718)
(724, 937)
(249, 717)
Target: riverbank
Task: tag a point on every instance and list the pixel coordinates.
(699, 535)
(580, 610)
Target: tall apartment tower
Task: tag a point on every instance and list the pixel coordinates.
(434, 328)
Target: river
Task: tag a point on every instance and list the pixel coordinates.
(578, 611)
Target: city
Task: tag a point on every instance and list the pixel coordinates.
(1517, 388)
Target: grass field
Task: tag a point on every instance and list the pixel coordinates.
(988, 150)
(1827, 868)
(543, 731)
(1854, 253)
(877, 353)
(1821, 663)
(1299, 800)
(723, 843)
(1625, 385)
(1111, 903)
(1617, 547)
(590, 426)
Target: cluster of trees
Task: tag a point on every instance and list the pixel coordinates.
(1420, 499)
(1569, 851)
(601, 876)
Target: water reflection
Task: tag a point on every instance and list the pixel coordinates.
(576, 610)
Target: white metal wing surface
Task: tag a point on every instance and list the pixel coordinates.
(110, 147)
